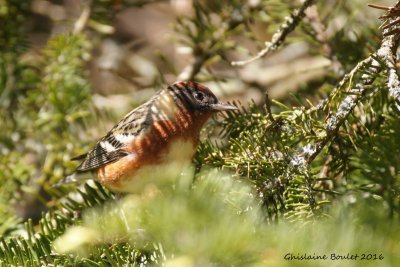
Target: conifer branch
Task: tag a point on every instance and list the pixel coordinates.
(370, 67)
(203, 53)
(279, 37)
(334, 121)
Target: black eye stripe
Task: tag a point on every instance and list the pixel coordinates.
(193, 96)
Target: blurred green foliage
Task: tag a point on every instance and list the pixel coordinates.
(247, 201)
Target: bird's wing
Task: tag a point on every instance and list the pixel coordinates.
(112, 146)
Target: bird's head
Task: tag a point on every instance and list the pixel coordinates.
(198, 98)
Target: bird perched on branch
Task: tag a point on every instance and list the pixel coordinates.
(153, 141)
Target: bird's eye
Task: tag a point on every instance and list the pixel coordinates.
(199, 96)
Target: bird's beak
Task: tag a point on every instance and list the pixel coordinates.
(222, 106)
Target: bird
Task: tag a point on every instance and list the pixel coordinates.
(154, 141)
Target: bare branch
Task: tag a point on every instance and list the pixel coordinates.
(379, 7)
(279, 37)
(191, 70)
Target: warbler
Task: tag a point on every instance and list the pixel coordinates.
(155, 140)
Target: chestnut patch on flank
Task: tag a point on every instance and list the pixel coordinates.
(157, 146)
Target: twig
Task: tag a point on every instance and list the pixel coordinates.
(379, 7)
(190, 71)
(279, 37)
(346, 78)
(268, 107)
